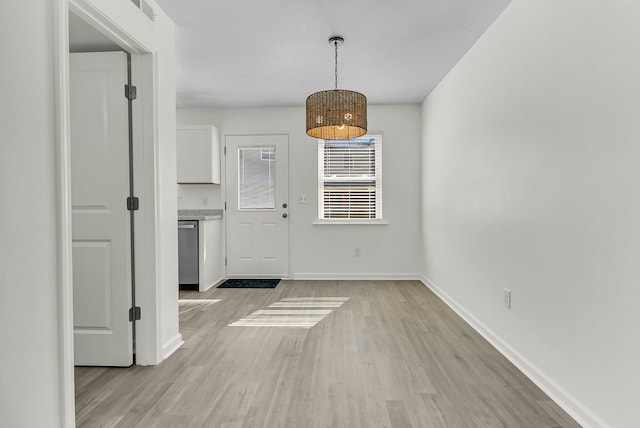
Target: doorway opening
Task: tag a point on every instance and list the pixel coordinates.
(90, 256)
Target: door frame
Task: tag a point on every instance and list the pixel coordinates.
(144, 76)
(223, 173)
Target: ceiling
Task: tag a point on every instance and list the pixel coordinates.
(251, 53)
(256, 53)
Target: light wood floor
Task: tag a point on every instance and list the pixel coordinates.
(393, 355)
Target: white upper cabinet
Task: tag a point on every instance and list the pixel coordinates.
(198, 154)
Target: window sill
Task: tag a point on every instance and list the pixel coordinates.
(351, 222)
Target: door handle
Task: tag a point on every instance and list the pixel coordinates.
(284, 205)
(186, 226)
(285, 215)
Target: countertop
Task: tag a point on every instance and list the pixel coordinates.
(200, 214)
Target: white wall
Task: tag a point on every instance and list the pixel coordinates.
(29, 357)
(326, 251)
(31, 281)
(199, 196)
(167, 211)
(531, 165)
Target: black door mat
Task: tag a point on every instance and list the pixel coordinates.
(249, 283)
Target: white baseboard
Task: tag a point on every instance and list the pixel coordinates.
(356, 276)
(172, 346)
(574, 407)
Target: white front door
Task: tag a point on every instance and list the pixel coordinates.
(257, 177)
(101, 227)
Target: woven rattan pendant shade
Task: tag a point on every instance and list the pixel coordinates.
(336, 114)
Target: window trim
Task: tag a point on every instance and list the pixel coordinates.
(379, 219)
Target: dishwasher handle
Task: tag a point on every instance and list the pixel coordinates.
(186, 226)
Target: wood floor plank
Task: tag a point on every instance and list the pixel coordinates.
(398, 414)
(391, 356)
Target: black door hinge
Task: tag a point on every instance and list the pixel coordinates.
(225, 150)
(135, 313)
(225, 206)
(133, 203)
(130, 92)
(225, 261)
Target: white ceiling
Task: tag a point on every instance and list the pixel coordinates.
(240, 53)
(250, 53)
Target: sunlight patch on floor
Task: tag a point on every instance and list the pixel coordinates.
(301, 312)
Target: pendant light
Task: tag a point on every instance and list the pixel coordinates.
(337, 114)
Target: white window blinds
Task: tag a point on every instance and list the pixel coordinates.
(350, 178)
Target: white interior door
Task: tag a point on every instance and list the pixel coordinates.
(101, 226)
(257, 193)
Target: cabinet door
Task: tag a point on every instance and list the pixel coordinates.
(198, 154)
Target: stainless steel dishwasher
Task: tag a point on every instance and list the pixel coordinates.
(188, 252)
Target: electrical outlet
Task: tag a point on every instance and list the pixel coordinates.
(356, 252)
(506, 298)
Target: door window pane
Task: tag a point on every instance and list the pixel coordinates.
(256, 178)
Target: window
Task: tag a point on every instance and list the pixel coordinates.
(350, 179)
(256, 178)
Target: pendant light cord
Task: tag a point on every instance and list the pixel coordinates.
(335, 43)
